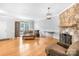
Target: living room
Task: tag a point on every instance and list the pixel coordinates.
(24, 12)
(28, 29)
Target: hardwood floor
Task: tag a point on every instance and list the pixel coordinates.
(18, 47)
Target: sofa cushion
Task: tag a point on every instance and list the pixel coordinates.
(73, 49)
(56, 50)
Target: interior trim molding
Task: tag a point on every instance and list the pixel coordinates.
(67, 8)
(5, 39)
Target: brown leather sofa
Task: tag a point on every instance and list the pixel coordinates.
(60, 49)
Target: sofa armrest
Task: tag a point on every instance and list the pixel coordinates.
(55, 53)
(55, 50)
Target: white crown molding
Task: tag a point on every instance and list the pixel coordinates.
(66, 8)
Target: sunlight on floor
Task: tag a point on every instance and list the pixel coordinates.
(23, 47)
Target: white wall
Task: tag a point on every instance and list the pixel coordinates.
(3, 30)
(48, 25)
(11, 27)
(6, 27)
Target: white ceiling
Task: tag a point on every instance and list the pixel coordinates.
(32, 10)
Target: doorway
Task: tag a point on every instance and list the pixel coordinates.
(23, 26)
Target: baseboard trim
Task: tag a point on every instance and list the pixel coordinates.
(4, 39)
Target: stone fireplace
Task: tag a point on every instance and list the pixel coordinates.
(69, 22)
(71, 35)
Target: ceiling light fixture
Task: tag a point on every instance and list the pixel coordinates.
(48, 15)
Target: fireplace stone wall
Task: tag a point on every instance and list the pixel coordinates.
(69, 23)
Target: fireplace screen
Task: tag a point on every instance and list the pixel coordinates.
(66, 38)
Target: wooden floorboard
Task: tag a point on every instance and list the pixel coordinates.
(26, 47)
